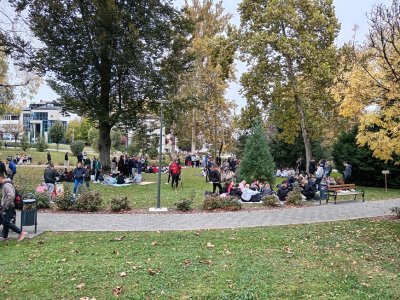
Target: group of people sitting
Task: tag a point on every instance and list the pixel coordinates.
(23, 159)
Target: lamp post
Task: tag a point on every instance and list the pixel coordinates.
(158, 206)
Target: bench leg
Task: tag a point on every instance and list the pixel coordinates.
(335, 198)
(355, 197)
(362, 195)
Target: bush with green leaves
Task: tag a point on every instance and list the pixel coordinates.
(65, 201)
(184, 205)
(42, 200)
(366, 169)
(270, 200)
(88, 200)
(294, 197)
(25, 145)
(120, 204)
(396, 211)
(41, 145)
(77, 147)
(224, 203)
(257, 163)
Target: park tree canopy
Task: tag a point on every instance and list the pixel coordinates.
(289, 48)
(104, 57)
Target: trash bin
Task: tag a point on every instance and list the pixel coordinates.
(29, 213)
(324, 191)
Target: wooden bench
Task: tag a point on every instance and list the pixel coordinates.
(344, 190)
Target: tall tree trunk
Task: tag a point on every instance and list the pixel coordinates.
(105, 145)
(173, 140)
(297, 99)
(193, 148)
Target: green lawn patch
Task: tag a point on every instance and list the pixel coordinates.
(340, 260)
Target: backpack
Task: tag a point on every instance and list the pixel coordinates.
(17, 199)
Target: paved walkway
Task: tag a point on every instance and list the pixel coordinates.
(168, 221)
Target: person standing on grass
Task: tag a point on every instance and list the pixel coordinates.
(12, 169)
(175, 170)
(215, 178)
(66, 159)
(48, 158)
(80, 157)
(79, 172)
(50, 179)
(96, 168)
(86, 177)
(8, 210)
(347, 173)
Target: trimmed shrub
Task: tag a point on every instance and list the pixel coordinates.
(120, 204)
(270, 200)
(66, 201)
(225, 203)
(88, 200)
(294, 197)
(41, 145)
(42, 200)
(25, 145)
(77, 147)
(396, 211)
(184, 205)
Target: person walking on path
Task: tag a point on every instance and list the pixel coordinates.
(66, 159)
(8, 210)
(79, 172)
(48, 158)
(50, 179)
(12, 169)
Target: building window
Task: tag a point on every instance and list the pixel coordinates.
(40, 116)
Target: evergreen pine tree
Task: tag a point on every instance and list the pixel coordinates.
(257, 163)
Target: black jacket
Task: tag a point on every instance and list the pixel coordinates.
(214, 176)
(50, 176)
(79, 173)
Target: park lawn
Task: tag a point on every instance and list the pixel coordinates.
(339, 260)
(144, 196)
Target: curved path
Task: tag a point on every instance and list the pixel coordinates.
(240, 219)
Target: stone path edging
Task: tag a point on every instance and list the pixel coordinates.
(239, 219)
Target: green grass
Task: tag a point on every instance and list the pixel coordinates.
(341, 260)
(145, 196)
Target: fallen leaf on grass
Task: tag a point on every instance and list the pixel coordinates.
(118, 238)
(154, 243)
(209, 245)
(87, 298)
(117, 291)
(122, 274)
(80, 286)
(187, 262)
(154, 272)
(206, 262)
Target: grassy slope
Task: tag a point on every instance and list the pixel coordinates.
(342, 260)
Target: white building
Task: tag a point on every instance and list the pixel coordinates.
(36, 120)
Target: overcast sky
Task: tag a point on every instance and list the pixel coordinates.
(349, 13)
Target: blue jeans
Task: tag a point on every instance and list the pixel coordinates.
(76, 183)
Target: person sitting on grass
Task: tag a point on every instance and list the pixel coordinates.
(266, 190)
(307, 190)
(283, 191)
(250, 195)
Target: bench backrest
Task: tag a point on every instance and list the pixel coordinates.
(342, 187)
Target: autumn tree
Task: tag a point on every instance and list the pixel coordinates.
(369, 91)
(289, 48)
(103, 57)
(204, 112)
(15, 129)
